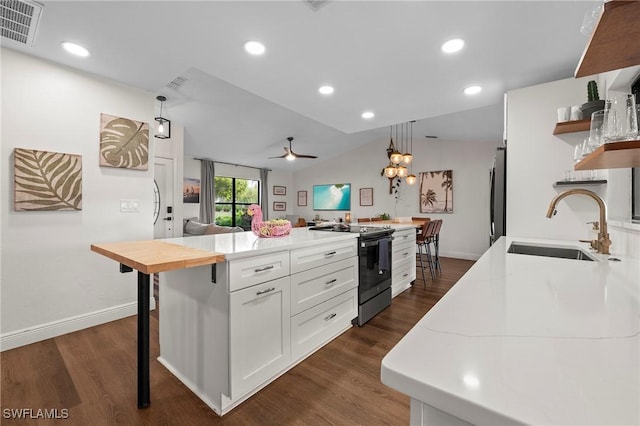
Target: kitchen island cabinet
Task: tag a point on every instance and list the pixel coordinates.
(526, 339)
(228, 332)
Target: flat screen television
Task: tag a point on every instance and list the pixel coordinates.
(332, 197)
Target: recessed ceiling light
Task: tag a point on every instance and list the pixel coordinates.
(75, 49)
(368, 115)
(326, 90)
(254, 47)
(453, 45)
(472, 90)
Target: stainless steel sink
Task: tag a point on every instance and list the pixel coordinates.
(550, 251)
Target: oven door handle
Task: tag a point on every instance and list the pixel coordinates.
(371, 243)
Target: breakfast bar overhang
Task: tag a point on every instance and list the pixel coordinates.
(149, 257)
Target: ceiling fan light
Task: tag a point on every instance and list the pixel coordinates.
(395, 157)
(407, 158)
(411, 179)
(390, 171)
(290, 157)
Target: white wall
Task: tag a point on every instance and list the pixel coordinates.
(465, 232)
(536, 159)
(51, 282)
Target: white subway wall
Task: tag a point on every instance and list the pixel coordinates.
(465, 232)
(51, 282)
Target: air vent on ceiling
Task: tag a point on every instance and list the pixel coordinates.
(177, 82)
(19, 20)
(316, 4)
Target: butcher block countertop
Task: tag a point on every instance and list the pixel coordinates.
(157, 256)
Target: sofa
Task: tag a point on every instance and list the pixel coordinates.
(191, 227)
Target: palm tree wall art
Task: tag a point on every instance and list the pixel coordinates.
(436, 192)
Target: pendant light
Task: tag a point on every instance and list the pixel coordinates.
(411, 179)
(395, 156)
(401, 171)
(390, 171)
(164, 125)
(407, 157)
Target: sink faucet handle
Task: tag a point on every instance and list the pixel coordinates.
(593, 243)
(596, 225)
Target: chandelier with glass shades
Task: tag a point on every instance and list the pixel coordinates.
(400, 165)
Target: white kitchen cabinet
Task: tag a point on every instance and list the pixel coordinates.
(253, 270)
(323, 254)
(403, 260)
(259, 334)
(311, 287)
(316, 326)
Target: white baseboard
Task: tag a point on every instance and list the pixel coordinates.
(26, 336)
(460, 255)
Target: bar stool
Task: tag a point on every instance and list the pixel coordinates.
(436, 245)
(424, 240)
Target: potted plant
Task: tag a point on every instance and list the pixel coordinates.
(593, 103)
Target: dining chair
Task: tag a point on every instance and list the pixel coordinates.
(424, 240)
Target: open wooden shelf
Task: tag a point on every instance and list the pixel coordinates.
(613, 155)
(580, 182)
(572, 126)
(614, 41)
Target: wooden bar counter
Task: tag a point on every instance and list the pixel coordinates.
(148, 257)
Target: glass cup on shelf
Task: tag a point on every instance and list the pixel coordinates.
(620, 118)
(595, 131)
(630, 125)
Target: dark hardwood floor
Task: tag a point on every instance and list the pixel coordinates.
(92, 374)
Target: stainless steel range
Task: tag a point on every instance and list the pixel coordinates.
(374, 268)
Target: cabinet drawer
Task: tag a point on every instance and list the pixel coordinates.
(405, 272)
(316, 326)
(403, 252)
(312, 257)
(404, 236)
(247, 272)
(309, 288)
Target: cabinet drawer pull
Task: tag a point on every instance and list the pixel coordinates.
(266, 268)
(405, 236)
(328, 317)
(268, 290)
(405, 275)
(331, 253)
(405, 254)
(331, 281)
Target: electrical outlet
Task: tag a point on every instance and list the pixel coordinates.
(129, 206)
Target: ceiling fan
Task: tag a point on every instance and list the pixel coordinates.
(290, 155)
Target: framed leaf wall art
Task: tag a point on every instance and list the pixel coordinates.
(46, 180)
(124, 143)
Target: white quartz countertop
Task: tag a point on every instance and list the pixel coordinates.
(529, 340)
(236, 245)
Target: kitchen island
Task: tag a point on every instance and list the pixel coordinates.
(229, 329)
(526, 339)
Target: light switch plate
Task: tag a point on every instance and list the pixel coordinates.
(129, 206)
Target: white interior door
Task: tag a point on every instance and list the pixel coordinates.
(163, 175)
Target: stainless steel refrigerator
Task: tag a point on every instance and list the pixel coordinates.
(498, 205)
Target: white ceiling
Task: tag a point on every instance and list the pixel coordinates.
(382, 56)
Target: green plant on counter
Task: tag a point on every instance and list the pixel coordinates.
(384, 216)
(592, 91)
